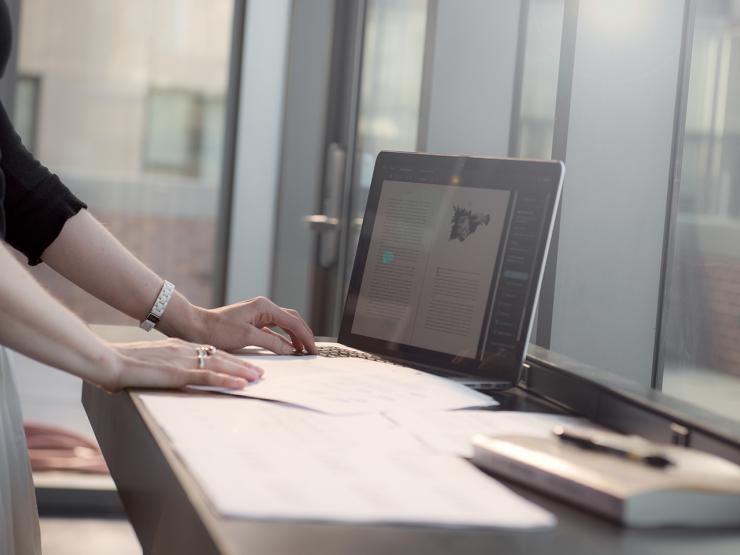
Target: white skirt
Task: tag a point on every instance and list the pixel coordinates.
(19, 521)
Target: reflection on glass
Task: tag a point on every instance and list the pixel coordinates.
(126, 104)
(540, 78)
(172, 132)
(392, 61)
(702, 328)
(539, 83)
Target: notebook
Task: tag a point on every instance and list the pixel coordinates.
(696, 489)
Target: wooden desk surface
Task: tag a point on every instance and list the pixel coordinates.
(171, 513)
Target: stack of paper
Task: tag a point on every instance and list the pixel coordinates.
(450, 432)
(382, 443)
(331, 385)
(269, 461)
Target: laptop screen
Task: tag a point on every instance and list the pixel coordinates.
(449, 261)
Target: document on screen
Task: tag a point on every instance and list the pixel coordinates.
(430, 265)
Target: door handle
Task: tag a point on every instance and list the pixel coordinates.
(327, 224)
(321, 222)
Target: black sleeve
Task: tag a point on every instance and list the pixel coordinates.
(2, 203)
(36, 204)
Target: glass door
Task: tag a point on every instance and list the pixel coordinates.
(381, 80)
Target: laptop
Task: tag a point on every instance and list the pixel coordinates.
(449, 264)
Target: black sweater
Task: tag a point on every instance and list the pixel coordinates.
(34, 203)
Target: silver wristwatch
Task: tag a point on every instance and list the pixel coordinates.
(151, 321)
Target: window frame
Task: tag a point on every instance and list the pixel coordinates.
(545, 312)
(669, 233)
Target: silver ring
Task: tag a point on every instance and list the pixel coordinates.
(203, 352)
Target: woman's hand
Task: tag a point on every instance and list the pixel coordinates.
(173, 363)
(88, 255)
(249, 322)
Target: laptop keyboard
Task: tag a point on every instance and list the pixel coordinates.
(331, 351)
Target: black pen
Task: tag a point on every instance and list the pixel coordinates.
(585, 442)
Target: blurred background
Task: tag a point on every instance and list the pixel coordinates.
(230, 145)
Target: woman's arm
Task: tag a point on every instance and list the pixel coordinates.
(87, 254)
(36, 325)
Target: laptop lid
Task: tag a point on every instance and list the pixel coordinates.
(450, 260)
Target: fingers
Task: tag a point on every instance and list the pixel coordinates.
(273, 341)
(185, 355)
(174, 363)
(228, 364)
(223, 370)
(213, 379)
(289, 320)
(294, 342)
(311, 345)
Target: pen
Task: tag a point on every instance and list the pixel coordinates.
(585, 442)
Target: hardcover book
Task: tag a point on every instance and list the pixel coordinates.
(695, 489)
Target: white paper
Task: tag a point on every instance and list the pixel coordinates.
(267, 461)
(374, 488)
(354, 386)
(451, 432)
(232, 423)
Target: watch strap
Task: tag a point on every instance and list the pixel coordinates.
(159, 306)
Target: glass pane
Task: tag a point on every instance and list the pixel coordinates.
(26, 109)
(392, 62)
(540, 78)
(129, 111)
(539, 84)
(172, 130)
(702, 329)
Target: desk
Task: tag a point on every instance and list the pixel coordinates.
(171, 514)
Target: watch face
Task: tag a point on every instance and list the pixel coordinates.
(147, 325)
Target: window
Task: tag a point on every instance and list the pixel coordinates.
(539, 78)
(27, 109)
(132, 120)
(391, 82)
(183, 133)
(390, 86)
(173, 132)
(702, 325)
